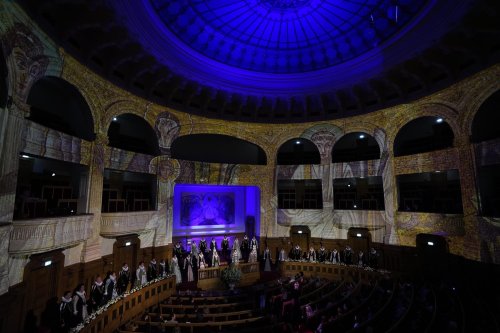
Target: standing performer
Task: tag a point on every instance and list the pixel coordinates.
(66, 312)
(141, 275)
(236, 246)
(253, 243)
(80, 304)
(188, 266)
(215, 259)
(178, 250)
(235, 257)
(203, 245)
(245, 247)
(311, 255)
(225, 247)
(162, 269)
(253, 255)
(348, 255)
(194, 249)
(152, 270)
(110, 288)
(201, 261)
(267, 260)
(96, 294)
(174, 269)
(213, 245)
(322, 254)
(334, 257)
(123, 279)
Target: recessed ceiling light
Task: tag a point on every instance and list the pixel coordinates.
(430, 243)
(358, 235)
(300, 231)
(128, 243)
(355, 206)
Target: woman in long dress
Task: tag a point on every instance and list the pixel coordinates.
(234, 257)
(201, 261)
(236, 247)
(215, 258)
(253, 255)
(174, 269)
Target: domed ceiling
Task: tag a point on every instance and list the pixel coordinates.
(276, 60)
(284, 36)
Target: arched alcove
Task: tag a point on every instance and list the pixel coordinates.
(356, 146)
(217, 148)
(422, 135)
(59, 105)
(4, 88)
(485, 124)
(133, 133)
(298, 151)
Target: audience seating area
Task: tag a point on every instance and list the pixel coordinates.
(310, 297)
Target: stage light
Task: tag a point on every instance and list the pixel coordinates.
(430, 243)
(355, 206)
(439, 120)
(47, 263)
(53, 174)
(115, 119)
(300, 231)
(348, 185)
(297, 142)
(358, 235)
(25, 156)
(128, 243)
(361, 136)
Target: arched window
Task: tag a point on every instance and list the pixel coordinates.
(130, 132)
(422, 135)
(57, 104)
(217, 148)
(485, 124)
(4, 89)
(298, 151)
(356, 146)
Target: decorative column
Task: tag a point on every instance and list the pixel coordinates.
(11, 131)
(92, 247)
(471, 243)
(390, 194)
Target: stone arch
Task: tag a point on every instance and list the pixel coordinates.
(298, 151)
(57, 104)
(355, 146)
(131, 132)
(484, 125)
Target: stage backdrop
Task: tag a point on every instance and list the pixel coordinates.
(214, 209)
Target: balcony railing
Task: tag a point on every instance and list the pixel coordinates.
(42, 235)
(125, 223)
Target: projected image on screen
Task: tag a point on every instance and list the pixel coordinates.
(208, 208)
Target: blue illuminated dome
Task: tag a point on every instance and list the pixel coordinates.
(284, 36)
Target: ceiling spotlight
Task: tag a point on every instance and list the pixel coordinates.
(115, 119)
(25, 156)
(361, 136)
(297, 142)
(430, 243)
(348, 185)
(439, 120)
(53, 174)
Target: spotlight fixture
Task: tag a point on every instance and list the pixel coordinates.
(300, 231)
(355, 206)
(128, 243)
(361, 136)
(115, 119)
(47, 263)
(25, 156)
(439, 120)
(430, 243)
(297, 142)
(358, 235)
(53, 174)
